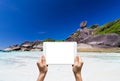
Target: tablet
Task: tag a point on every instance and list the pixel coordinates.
(60, 52)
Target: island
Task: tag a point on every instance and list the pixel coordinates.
(94, 38)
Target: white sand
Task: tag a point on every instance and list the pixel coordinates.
(21, 66)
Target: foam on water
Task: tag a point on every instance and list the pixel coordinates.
(21, 66)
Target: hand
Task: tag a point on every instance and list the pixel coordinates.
(42, 66)
(78, 63)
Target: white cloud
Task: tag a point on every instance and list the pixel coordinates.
(41, 32)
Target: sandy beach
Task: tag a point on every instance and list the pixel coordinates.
(21, 66)
(87, 48)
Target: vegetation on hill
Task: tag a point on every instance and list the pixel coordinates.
(92, 35)
(51, 40)
(110, 27)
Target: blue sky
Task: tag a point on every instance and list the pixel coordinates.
(22, 20)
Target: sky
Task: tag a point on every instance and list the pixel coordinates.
(30, 20)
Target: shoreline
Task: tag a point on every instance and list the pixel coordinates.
(88, 48)
(79, 49)
(93, 49)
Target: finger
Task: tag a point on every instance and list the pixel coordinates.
(80, 59)
(77, 59)
(38, 64)
(44, 60)
(39, 60)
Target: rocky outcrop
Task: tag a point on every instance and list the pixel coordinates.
(105, 36)
(83, 24)
(38, 45)
(107, 40)
(26, 46)
(82, 33)
(86, 35)
(14, 47)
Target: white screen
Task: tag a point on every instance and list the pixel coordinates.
(60, 52)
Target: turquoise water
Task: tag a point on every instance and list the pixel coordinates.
(21, 66)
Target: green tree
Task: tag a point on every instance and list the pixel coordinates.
(49, 40)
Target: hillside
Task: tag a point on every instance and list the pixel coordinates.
(105, 36)
(92, 37)
(110, 27)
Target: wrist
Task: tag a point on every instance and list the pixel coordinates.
(78, 77)
(42, 74)
(77, 74)
(41, 77)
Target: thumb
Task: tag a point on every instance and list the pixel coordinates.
(76, 59)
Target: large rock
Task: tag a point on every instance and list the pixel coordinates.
(80, 34)
(26, 46)
(83, 24)
(86, 35)
(106, 40)
(38, 45)
(11, 48)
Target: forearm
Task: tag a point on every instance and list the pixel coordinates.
(78, 77)
(41, 77)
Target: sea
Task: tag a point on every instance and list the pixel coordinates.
(21, 66)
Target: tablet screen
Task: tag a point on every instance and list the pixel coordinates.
(59, 52)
